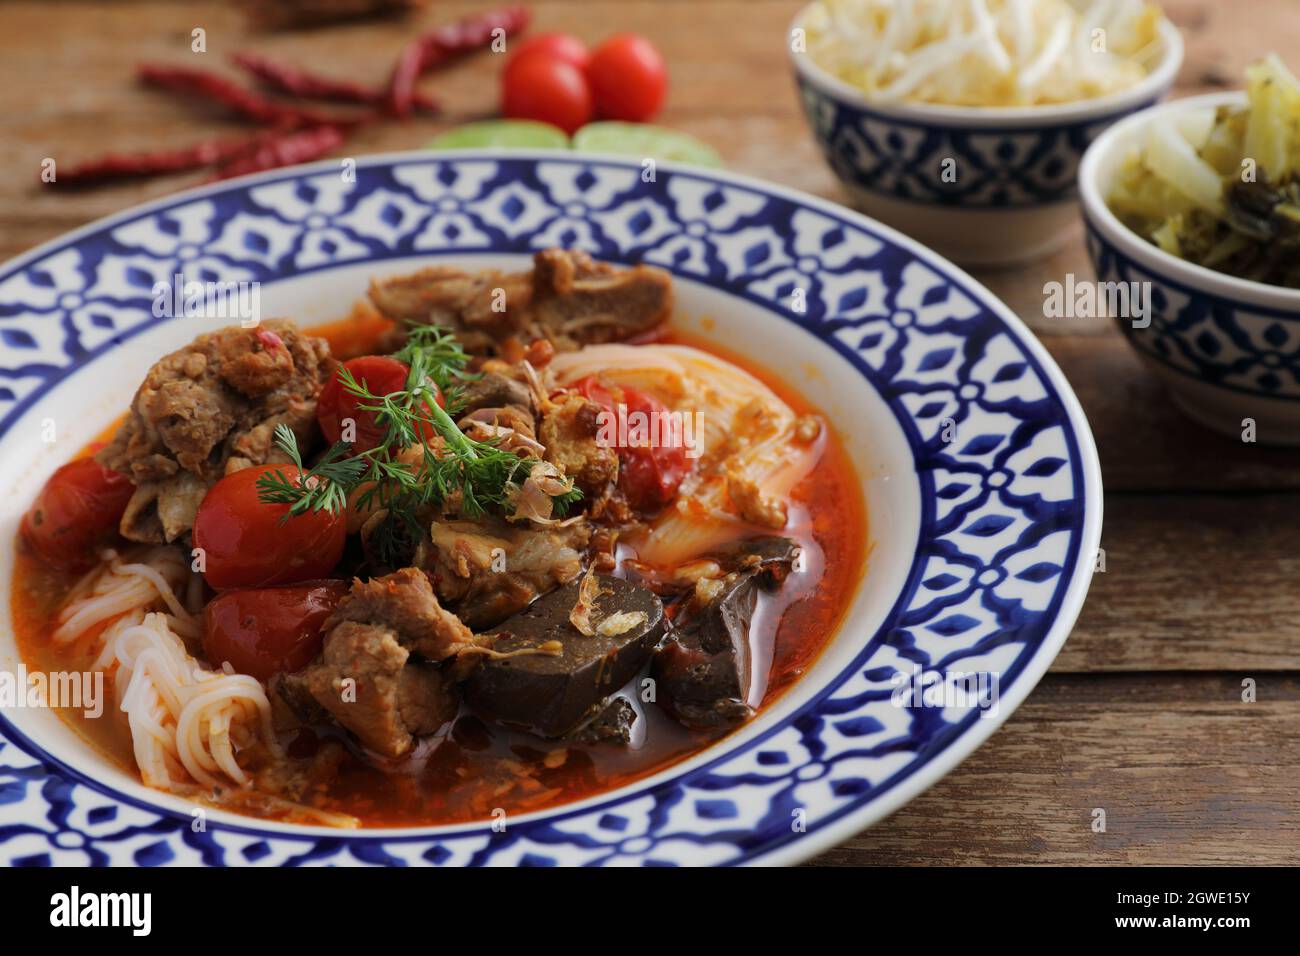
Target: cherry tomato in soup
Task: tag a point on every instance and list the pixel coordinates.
(628, 78)
(652, 459)
(337, 406)
(554, 45)
(548, 90)
(77, 512)
(246, 544)
(267, 631)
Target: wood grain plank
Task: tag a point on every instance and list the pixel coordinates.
(1193, 582)
(1186, 773)
(76, 97)
(1198, 580)
(1146, 444)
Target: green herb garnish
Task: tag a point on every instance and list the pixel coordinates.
(481, 473)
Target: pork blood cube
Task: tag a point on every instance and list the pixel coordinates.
(556, 691)
(704, 668)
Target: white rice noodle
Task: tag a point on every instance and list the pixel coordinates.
(651, 368)
(728, 399)
(186, 721)
(152, 575)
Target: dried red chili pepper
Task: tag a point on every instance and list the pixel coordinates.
(154, 162)
(444, 44)
(282, 149)
(250, 104)
(309, 85)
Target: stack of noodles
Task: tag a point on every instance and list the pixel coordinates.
(992, 53)
(746, 433)
(186, 720)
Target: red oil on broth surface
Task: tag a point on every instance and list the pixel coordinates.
(475, 768)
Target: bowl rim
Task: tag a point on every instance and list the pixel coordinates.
(1159, 79)
(845, 824)
(1097, 214)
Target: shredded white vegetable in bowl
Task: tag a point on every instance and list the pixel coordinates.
(1219, 185)
(985, 53)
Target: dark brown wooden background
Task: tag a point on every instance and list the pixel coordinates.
(1142, 712)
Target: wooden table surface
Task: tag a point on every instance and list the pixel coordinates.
(1142, 713)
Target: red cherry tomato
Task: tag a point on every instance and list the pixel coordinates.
(648, 476)
(336, 405)
(267, 631)
(76, 512)
(628, 78)
(542, 88)
(556, 46)
(246, 544)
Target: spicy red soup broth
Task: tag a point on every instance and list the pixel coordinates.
(479, 768)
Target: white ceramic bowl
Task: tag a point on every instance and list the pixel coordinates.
(1228, 348)
(1014, 198)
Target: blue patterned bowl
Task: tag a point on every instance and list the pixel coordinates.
(978, 469)
(1007, 196)
(1228, 348)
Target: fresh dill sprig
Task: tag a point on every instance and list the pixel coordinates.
(477, 471)
(443, 360)
(480, 474)
(324, 487)
(560, 504)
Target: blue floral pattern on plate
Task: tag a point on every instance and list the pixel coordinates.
(1222, 342)
(1006, 508)
(996, 168)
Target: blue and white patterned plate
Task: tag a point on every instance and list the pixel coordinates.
(980, 476)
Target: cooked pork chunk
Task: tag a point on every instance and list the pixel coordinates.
(481, 307)
(567, 299)
(492, 569)
(404, 603)
(500, 408)
(569, 431)
(496, 389)
(372, 686)
(375, 674)
(578, 302)
(207, 410)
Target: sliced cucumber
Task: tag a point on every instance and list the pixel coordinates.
(649, 142)
(502, 134)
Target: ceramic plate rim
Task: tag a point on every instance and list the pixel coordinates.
(914, 782)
